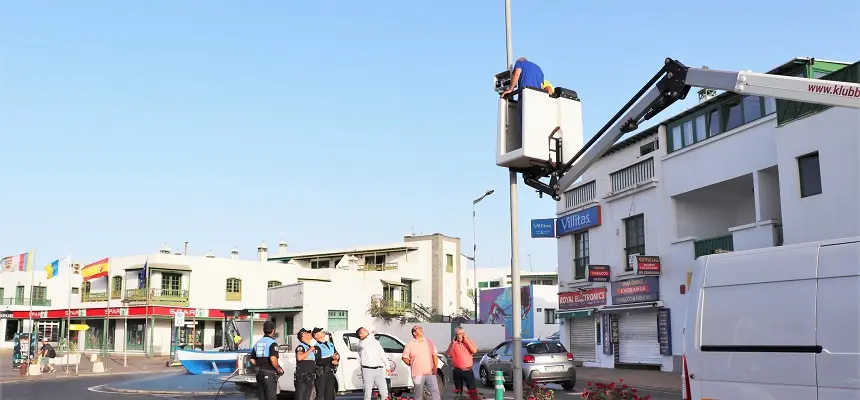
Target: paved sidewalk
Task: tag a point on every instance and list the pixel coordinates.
(666, 381)
(113, 366)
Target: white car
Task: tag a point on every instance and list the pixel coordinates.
(348, 375)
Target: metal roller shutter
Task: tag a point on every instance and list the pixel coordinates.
(637, 338)
(582, 339)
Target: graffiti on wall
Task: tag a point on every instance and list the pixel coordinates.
(496, 308)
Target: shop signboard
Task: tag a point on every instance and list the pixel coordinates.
(578, 221)
(636, 290)
(647, 265)
(664, 331)
(588, 298)
(599, 273)
(117, 312)
(178, 318)
(607, 332)
(543, 228)
(5, 314)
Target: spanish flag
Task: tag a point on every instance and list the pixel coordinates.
(98, 269)
(53, 269)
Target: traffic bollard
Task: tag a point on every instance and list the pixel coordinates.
(500, 386)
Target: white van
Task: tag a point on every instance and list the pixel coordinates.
(776, 323)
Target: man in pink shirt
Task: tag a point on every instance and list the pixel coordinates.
(420, 356)
(461, 351)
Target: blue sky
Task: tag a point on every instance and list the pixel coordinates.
(323, 123)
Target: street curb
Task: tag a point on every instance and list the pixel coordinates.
(170, 392)
(70, 376)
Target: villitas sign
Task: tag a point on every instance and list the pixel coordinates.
(578, 221)
(122, 312)
(589, 298)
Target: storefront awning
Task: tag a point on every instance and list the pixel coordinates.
(393, 283)
(275, 310)
(575, 313)
(634, 306)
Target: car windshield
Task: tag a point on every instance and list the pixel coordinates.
(545, 348)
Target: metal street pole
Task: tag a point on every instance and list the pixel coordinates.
(475, 251)
(516, 295)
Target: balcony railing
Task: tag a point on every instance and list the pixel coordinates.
(581, 195)
(388, 307)
(24, 301)
(171, 297)
(90, 297)
(632, 175)
(378, 267)
(713, 245)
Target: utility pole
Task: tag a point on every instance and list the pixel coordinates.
(516, 295)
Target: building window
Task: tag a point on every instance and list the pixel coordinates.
(272, 284)
(549, 316)
(634, 229)
(495, 284)
(752, 108)
(50, 330)
(234, 289)
(171, 283)
(39, 293)
(75, 290)
(677, 141)
(714, 122)
(319, 264)
(648, 147)
(547, 282)
(2, 296)
(732, 115)
(338, 320)
(116, 287)
(810, 174)
(449, 263)
(19, 294)
(580, 254)
(483, 284)
(87, 287)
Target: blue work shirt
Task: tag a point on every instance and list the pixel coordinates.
(530, 76)
(326, 349)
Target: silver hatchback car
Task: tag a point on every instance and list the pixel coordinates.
(544, 361)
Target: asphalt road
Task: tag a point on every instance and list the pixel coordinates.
(88, 388)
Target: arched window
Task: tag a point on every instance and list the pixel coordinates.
(234, 289)
(116, 287)
(274, 284)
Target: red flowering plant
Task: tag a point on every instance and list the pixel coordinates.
(533, 391)
(460, 394)
(612, 391)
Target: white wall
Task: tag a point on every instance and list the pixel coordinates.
(485, 336)
(544, 297)
(835, 213)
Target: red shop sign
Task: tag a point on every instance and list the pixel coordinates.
(588, 298)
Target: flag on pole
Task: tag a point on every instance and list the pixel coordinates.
(53, 269)
(141, 276)
(98, 269)
(21, 262)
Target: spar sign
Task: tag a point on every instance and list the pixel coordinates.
(588, 298)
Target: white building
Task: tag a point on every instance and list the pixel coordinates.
(731, 173)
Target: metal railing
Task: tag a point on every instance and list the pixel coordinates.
(378, 267)
(25, 301)
(790, 110)
(713, 245)
(158, 296)
(632, 175)
(92, 296)
(581, 195)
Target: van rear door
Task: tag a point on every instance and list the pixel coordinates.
(838, 304)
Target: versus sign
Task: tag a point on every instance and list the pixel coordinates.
(598, 273)
(543, 228)
(637, 290)
(588, 298)
(578, 221)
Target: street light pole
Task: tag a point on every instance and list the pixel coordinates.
(515, 242)
(475, 251)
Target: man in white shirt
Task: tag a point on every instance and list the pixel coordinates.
(374, 364)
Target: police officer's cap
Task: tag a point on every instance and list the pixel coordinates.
(301, 331)
(317, 330)
(268, 327)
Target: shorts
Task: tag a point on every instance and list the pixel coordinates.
(44, 361)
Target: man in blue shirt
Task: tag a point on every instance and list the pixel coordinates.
(525, 74)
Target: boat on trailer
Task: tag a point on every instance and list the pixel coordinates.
(199, 362)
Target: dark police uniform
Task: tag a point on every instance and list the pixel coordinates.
(267, 374)
(325, 379)
(305, 369)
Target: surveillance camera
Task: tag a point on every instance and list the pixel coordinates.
(502, 81)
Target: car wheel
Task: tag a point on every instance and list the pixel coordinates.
(567, 385)
(485, 376)
(427, 394)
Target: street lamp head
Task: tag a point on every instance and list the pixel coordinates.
(489, 192)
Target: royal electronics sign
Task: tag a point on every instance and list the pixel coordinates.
(543, 228)
(578, 221)
(588, 298)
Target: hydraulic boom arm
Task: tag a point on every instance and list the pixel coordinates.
(672, 83)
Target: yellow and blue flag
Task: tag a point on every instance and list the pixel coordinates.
(53, 269)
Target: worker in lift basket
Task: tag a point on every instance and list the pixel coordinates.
(527, 74)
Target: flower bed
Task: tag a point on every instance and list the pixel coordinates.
(612, 391)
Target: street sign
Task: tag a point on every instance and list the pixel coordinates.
(78, 327)
(179, 318)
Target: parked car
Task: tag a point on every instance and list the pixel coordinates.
(544, 361)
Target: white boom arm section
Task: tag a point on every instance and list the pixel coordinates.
(672, 83)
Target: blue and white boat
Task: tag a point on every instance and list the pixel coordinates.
(199, 362)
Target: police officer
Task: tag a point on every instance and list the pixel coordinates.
(306, 354)
(327, 361)
(264, 356)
